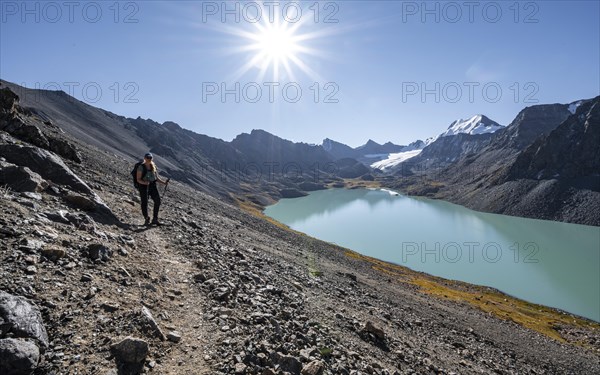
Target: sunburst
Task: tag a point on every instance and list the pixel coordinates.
(279, 47)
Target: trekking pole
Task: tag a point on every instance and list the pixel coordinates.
(166, 186)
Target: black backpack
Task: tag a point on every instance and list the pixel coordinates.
(134, 173)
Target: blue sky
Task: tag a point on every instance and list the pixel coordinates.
(386, 70)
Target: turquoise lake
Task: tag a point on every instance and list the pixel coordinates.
(550, 263)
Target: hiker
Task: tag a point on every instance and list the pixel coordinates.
(147, 177)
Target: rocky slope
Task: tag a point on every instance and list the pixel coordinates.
(443, 152)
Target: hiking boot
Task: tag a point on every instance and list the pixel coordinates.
(155, 222)
(147, 221)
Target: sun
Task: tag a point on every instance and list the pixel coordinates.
(276, 45)
(276, 48)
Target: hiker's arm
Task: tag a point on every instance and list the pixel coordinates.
(159, 179)
(139, 179)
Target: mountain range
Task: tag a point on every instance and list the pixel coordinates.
(517, 169)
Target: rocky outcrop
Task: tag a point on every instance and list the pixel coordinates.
(21, 178)
(20, 124)
(570, 152)
(45, 163)
(53, 169)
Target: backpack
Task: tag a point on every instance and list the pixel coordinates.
(134, 173)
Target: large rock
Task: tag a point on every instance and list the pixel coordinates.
(8, 103)
(286, 363)
(64, 149)
(18, 357)
(21, 179)
(52, 168)
(130, 350)
(314, 368)
(377, 332)
(80, 201)
(21, 318)
(47, 164)
(26, 132)
(98, 251)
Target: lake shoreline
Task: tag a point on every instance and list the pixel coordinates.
(522, 311)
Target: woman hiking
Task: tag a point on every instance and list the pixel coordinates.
(147, 177)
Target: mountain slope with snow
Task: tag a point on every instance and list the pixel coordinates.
(477, 124)
(395, 159)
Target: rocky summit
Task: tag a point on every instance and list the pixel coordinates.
(85, 288)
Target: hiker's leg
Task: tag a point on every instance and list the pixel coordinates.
(144, 198)
(156, 198)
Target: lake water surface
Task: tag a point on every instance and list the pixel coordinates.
(551, 263)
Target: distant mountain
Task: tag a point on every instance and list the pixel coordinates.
(263, 147)
(462, 137)
(373, 154)
(545, 165)
(447, 149)
(338, 150)
(478, 124)
(366, 153)
(374, 148)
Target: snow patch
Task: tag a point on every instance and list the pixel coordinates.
(378, 156)
(395, 159)
(573, 107)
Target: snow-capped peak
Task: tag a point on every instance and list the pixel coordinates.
(477, 124)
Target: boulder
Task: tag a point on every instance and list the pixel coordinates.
(8, 102)
(18, 357)
(130, 350)
(21, 318)
(21, 179)
(52, 168)
(64, 149)
(80, 201)
(47, 164)
(98, 251)
(286, 363)
(26, 132)
(314, 368)
(377, 332)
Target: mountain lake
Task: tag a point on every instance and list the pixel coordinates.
(545, 262)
